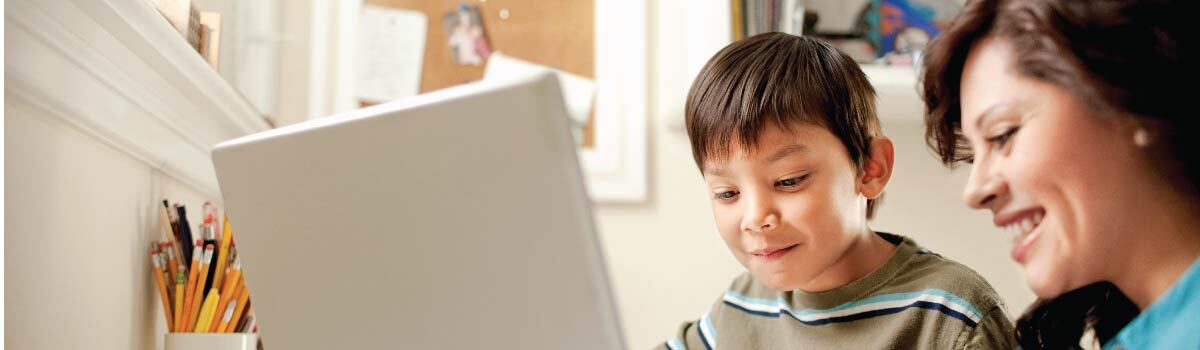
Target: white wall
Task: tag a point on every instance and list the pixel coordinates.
(78, 223)
(667, 262)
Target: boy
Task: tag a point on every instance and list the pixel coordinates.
(784, 131)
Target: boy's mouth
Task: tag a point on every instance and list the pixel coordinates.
(772, 253)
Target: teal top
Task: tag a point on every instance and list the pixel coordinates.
(1171, 322)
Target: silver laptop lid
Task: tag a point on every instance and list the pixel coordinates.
(452, 220)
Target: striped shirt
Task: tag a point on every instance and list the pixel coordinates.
(916, 300)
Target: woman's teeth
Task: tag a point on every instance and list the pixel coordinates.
(1020, 229)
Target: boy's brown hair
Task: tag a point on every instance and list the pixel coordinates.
(784, 80)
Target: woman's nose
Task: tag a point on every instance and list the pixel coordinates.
(984, 186)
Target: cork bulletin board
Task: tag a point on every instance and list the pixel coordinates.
(558, 34)
(604, 41)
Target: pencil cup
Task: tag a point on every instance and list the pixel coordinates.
(211, 341)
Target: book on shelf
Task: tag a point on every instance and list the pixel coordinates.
(738, 21)
(201, 30)
(184, 16)
(753, 17)
(210, 37)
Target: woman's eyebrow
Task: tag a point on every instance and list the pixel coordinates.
(1006, 107)
(989, 113)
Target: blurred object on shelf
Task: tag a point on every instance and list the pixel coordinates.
(184, 16)
(210, 37)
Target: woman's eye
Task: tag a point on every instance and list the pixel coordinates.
(1002, 139)
(725, 195)
(792, 182)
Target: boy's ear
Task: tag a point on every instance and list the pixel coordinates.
(878, 167)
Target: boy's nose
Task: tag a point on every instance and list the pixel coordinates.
(766, 226)
(760, 217)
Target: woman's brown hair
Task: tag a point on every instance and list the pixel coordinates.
(1129, 59)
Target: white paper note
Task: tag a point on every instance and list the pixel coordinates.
(390, 52)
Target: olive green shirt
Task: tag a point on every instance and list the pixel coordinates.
(916, 300)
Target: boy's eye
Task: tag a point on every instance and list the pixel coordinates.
(792, 182)
(725, 195)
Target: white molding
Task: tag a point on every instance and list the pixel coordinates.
(118, 72)
(318, 58)
(161, 48)
(250, 47)
(346, 47)
(333, 43)
(616, 166)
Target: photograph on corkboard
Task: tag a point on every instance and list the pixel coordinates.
(465, 37)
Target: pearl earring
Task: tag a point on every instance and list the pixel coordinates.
(1141, 137)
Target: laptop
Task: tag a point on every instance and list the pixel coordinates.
(451, 220)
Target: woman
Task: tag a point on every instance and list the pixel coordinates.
(1078, 116)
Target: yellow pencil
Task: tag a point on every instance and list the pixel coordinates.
(233, 255)
(157, 254)
(162, 289)
(207, 311)
(227, 293)
(190, 288)
(222, 253)
(168, 248)
(243, 297)
(179, 283)
(169, 269)
(226, 316)
(200, 281)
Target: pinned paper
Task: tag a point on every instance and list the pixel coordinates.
(390, 52)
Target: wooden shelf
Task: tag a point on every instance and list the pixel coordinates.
(116, 70)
